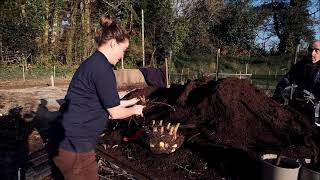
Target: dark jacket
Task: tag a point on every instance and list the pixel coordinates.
(304, 74)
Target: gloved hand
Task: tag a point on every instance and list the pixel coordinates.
(287, 92)
(309, 97)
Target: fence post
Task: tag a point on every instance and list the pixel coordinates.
(1, 56)
(169, 63)
(52, 81)
(142, 35)
(296, 54)
(23, 75)
(217, 64)
(246, 68)
(167, 73)
(181, 76)
(122, 65)
(54, 71)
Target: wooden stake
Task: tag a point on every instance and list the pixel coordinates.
(54, 71)
(142, 34)
(23, 75)
(217, 64)
(169, 64)
(296, 54)
(246, 68)
(122, 67)
(131, 18)
(181, 77)
(25, 62)
(167, 73)
(52, 81)
(1, 56)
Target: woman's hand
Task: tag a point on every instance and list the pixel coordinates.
(134, 100)
(121, 112)
(138, 109)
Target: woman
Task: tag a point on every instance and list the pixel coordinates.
(91, 101)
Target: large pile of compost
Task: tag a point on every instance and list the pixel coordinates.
(227, 124)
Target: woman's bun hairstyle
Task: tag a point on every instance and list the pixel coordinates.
(110, 30)
(105, 21)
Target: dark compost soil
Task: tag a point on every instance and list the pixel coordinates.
(227, 124)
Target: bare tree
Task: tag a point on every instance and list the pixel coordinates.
(187, 7)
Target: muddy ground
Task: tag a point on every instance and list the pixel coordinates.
(227, 126)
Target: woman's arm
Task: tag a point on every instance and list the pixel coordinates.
(121, 112)
(130, 102)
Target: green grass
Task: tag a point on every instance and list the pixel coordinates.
(15, 72)
(272, 65)
(266, 70)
